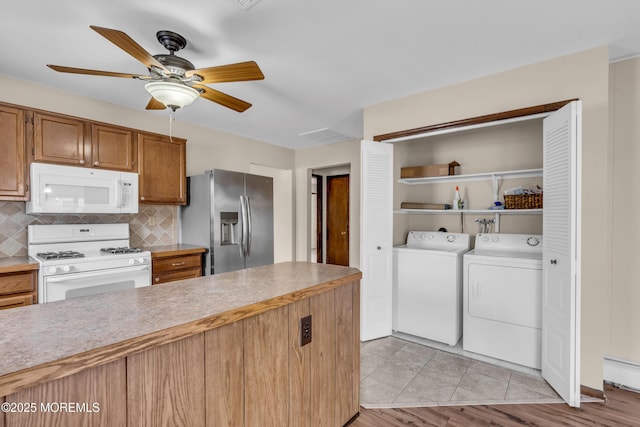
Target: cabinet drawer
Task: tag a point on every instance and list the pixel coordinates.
(177, 275)
(176, 263)
(13, 301)
(17, 283)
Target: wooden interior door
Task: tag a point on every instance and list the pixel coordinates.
(338, 220)
(319, 219)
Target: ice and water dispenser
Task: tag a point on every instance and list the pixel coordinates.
(228, 228)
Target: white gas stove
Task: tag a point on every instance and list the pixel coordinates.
(85, 259)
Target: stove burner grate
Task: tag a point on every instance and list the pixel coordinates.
(60, 255)
(122, 250)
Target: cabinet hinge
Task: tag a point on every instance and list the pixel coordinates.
(33, 150)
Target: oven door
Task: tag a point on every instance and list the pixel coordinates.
(95, 282)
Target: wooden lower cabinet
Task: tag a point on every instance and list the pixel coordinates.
(284, 384)
(165, 385)
(174, 268)
(18, 289)
(93, 397)
(252, 372)
(224, 366)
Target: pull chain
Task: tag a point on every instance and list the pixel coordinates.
(171, 119)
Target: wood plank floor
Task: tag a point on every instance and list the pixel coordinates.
(621, 409)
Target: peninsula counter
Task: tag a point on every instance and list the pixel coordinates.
(211, 351)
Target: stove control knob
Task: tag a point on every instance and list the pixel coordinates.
(66, 268)
(141, 260)
(132, 261)
(52, 270)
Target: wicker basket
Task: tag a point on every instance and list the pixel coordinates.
(523, 201)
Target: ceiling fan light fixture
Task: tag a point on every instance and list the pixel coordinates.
(173, 95)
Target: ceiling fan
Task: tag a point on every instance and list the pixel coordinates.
(173, 81)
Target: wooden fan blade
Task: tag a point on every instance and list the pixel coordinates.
(126, 43)
(222, 98)
(239, 72)
(73, 70)
(154, 104)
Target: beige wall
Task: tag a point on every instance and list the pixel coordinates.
(623, 308)
(582, 75)
(516, 146)
(344, 153)
(206, 148)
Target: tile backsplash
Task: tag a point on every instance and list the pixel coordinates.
(153, 225)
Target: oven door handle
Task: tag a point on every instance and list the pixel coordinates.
(101, 273)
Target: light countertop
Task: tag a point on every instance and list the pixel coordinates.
(161, 251)
(17, 264)
(52, 340)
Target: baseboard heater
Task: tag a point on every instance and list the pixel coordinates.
(622, 372)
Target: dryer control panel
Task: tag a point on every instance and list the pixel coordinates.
(509, 242)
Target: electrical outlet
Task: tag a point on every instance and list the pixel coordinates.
(305, 330)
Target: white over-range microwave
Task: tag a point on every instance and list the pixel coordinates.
(71, 189)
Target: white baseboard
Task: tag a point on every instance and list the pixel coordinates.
(622, 372)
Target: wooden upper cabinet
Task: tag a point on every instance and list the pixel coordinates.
(112, 148)
(162, 168)
(13, 165)
(58, 139)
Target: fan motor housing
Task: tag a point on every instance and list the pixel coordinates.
(175, 64)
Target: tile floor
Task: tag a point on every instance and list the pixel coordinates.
(395, 372)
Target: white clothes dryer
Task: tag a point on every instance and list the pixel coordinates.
(502, 298)
(427, 285)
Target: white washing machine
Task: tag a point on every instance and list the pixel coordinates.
(427, 285)
(502, 301)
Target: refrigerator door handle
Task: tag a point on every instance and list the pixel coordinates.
(245, 227)
(249, 227)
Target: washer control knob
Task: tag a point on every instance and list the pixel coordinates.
(495, 239)
(430, 236)
(533, 241)
(451, 238)
(422, 235)
(485, 239)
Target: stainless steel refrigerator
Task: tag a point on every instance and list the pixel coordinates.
(231, 214)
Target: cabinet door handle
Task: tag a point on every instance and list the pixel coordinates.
(142, 198)
(96, 163)
(81, 162)
(157, 279)
(176, 264)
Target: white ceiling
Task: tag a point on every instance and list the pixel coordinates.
(323, 60)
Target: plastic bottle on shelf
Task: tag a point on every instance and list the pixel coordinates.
(457, 201)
